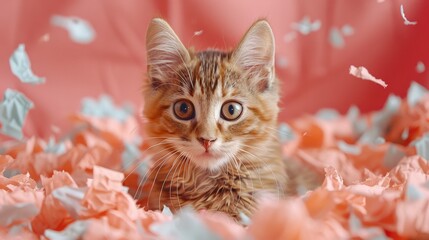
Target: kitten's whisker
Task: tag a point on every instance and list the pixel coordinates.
(154, 180)
(237, 167)
(270, 169)
(139, 163)
(187, 169)
(247, 170)
(154, 165)
(177, 179)
(166, 177)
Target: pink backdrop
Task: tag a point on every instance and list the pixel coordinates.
(315, 74)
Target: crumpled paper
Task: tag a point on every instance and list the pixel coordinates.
(406, 21)
(78, 186)
(13, 110)
(21, 66)
(79, 30)
(362, 72)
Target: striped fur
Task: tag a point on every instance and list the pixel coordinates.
(245, 161)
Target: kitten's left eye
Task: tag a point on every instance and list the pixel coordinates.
(184, 109)
(231, 110)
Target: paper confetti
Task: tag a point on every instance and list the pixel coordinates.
(21, 66)
(130, 154)
(45, 38)
(327, 114)
(80, 31)
(420, 67)
(415, 93)
(289, 36)
(70, 198)
(282, 62)
(198, 33)
(380, 121)
(336, 38)
(392, 156)
(422, 147)
(285, 133)
(73, 231)
(17, 212)
(185, 225)
(362, 72)
(56, 148)
(359, 124)
(244, 219)
(166, 211)
(347, 30)
(405, 134)
(305, 26)
(13, 111)
(104, 108)
(349, 148)
(406, 21)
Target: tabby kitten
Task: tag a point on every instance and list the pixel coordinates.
(211, 122)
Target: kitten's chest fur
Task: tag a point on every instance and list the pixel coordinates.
(232, 189)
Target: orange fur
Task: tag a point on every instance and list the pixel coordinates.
(245, 159)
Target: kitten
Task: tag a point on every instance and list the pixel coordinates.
(211, 122)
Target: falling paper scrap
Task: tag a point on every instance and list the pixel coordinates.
(21, 66)
(406, 21)
(198, 33)
(104, 107)
(420, 68)
(336, 35)
(305, 26)
(336, 38)
(347, 30)
(80, 31)
(362, 72)
(13, 110)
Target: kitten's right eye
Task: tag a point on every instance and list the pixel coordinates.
(184, 109)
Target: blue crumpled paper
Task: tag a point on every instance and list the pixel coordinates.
(104, 107)
(70, 198)
(381, 121)
(336, 35)
(244, 219)
(422, 146)
(13, 110)
(285, 133)
(349, 148)
(166, 211)
(20, 66)
(73, 231)
(305, 26)
(80, 31)
(15, 212)
(392, 156)
(359, 124)
(357, 227)
(185, 225)
(327, 114)
(415, 93)
(57, 148)
(131, 153)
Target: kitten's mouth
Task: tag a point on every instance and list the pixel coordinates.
(209, 160)
(208, 154)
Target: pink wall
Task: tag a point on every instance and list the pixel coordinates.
(316, 75)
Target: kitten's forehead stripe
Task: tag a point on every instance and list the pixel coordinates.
(209, 68)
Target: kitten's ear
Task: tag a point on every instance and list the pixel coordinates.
(164, 52)
(255, 54)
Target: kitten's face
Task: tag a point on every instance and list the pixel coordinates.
(211, 107)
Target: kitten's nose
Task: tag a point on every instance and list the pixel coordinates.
(206, 142)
